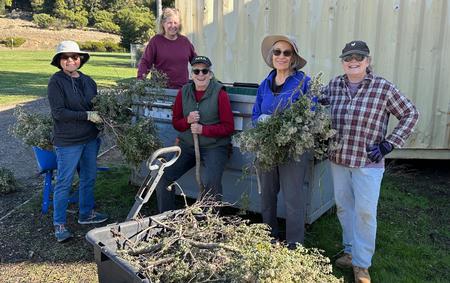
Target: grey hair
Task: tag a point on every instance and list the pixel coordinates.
(295, 59)
(168, 13)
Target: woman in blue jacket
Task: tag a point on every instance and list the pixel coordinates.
(284, 85)
(70, 93)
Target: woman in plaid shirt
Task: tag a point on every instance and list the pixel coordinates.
(361, 104)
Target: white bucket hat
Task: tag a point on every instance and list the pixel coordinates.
(69, 46)
(270, 40)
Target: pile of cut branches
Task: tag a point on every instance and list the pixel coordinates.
(8, 183)
(33, 129)
(195, 244)
(139, 139)
(290, 133)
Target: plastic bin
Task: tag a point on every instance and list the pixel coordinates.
(110, 267)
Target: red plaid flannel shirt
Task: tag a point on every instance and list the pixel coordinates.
(362, 120)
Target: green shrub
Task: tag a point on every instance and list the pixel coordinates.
(75, 20)
(137, 25)
(106, 45)
(95, 46)
(111, 45)
(13, 41)
(59, 24)
(107, 26)
(102, 16)
(7, 181)
(44, 20)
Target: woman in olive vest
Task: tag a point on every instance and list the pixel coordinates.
(201, 107)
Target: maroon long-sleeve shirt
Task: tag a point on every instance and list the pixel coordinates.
(169, 56)
(222, 129)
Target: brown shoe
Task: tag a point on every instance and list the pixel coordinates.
(344, 261)
(361, 274)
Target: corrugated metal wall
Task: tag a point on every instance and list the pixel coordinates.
(409, 42)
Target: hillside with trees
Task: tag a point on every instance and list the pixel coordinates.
(133, 20)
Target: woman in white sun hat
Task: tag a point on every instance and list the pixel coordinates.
(75, 135)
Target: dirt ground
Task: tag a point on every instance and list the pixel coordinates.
(42, 39)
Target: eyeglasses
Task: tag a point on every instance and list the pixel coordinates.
(357, 57)
(286, 53)
(74, 57)
(197, 71)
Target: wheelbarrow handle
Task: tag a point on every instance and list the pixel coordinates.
(157, 154)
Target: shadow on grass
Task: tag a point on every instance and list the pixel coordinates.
(12, 83)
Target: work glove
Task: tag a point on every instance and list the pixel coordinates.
(94, 117)
(263, 117)
(376, 152)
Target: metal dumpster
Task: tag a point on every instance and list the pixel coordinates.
(241, 191)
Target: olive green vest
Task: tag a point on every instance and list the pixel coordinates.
(208, 106)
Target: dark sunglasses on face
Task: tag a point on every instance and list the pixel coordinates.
(286, 53)
(197, 71)
(357, 57)
(74, 57)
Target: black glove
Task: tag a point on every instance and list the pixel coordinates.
(376, 152)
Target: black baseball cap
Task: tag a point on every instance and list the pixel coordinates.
(355, 47)
(201, 60)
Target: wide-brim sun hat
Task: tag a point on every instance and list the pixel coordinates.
(270, 40)
(69, 46)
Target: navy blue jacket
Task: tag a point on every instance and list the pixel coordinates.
(69, 99)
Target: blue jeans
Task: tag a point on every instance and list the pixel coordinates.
(68, 158)
(356, 191)
(214, 159)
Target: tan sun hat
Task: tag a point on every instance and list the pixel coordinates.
(270, 40)
(69, 46)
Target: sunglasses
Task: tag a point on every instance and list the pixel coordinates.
(197, 71)
(74, 57)
(357, 57)
(286, 53)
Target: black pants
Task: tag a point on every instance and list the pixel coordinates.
(214, 160)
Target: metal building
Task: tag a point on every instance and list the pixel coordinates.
(409, 42)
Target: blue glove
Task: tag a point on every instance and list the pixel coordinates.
(263, 118)
(376, 152)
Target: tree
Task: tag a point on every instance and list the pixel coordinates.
(137, 25)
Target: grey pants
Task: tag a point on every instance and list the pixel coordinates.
(288, 178)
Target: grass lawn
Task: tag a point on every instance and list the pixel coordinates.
(24, 74)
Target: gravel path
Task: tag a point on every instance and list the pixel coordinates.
(19, 158)
(15, 155)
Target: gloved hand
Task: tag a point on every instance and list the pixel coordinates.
(94, 117)
(376, 152)
(263, 118)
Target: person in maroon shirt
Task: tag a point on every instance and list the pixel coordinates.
(168, 51)
(201, 107)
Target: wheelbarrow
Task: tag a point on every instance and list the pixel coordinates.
(47, 163)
